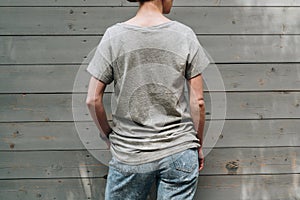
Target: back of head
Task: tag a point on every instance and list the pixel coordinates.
(141, 1)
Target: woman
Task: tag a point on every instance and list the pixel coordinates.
(157, 135)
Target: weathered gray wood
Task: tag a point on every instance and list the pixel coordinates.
(41, 136)
(225, 49)
(44, 78)
(66, 136)
(61, 49)
(59, 189)
(259, 133)
(58, 107)
(258, 77)
(45, 107)
(47, 160)
(251, 49)
(76, 164)
(50, 136)
(125, 3)
(51, 164)
(94, 20)
(61, 78)
(38, 78)
(252, 160)
(254, 187)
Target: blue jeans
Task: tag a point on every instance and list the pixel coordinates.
(175, 176)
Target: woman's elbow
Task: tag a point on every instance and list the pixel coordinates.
(201, 103)
(92, 100)
(197, 102)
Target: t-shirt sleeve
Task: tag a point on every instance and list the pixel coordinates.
(100, 65)
(197, 59)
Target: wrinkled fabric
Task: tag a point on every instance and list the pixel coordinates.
(149, 67)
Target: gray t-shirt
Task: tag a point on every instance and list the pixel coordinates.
(149, 67)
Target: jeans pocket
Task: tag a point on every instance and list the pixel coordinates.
(187, 161)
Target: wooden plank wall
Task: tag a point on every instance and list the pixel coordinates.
(255, 45)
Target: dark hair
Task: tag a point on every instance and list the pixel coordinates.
(143, 1)
(140, 1)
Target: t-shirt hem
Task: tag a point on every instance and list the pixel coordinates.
(169, 152)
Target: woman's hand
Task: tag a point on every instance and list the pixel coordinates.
(201, 158)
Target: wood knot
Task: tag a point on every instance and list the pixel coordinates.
(232, 167)
(11, 145)
(273, 69)
(16, 134)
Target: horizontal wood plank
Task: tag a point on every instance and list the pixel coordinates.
(259, 133)
(59, 49)
(59, 107)
(45, 79)
(74, 78)
(69, 189)
(42, 136)
(254, 187)
(81, 135)
(76, 164)
(75, 49)
(126, 3)
(94, 20)
(51, 164)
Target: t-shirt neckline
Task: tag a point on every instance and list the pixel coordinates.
(146, 27)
